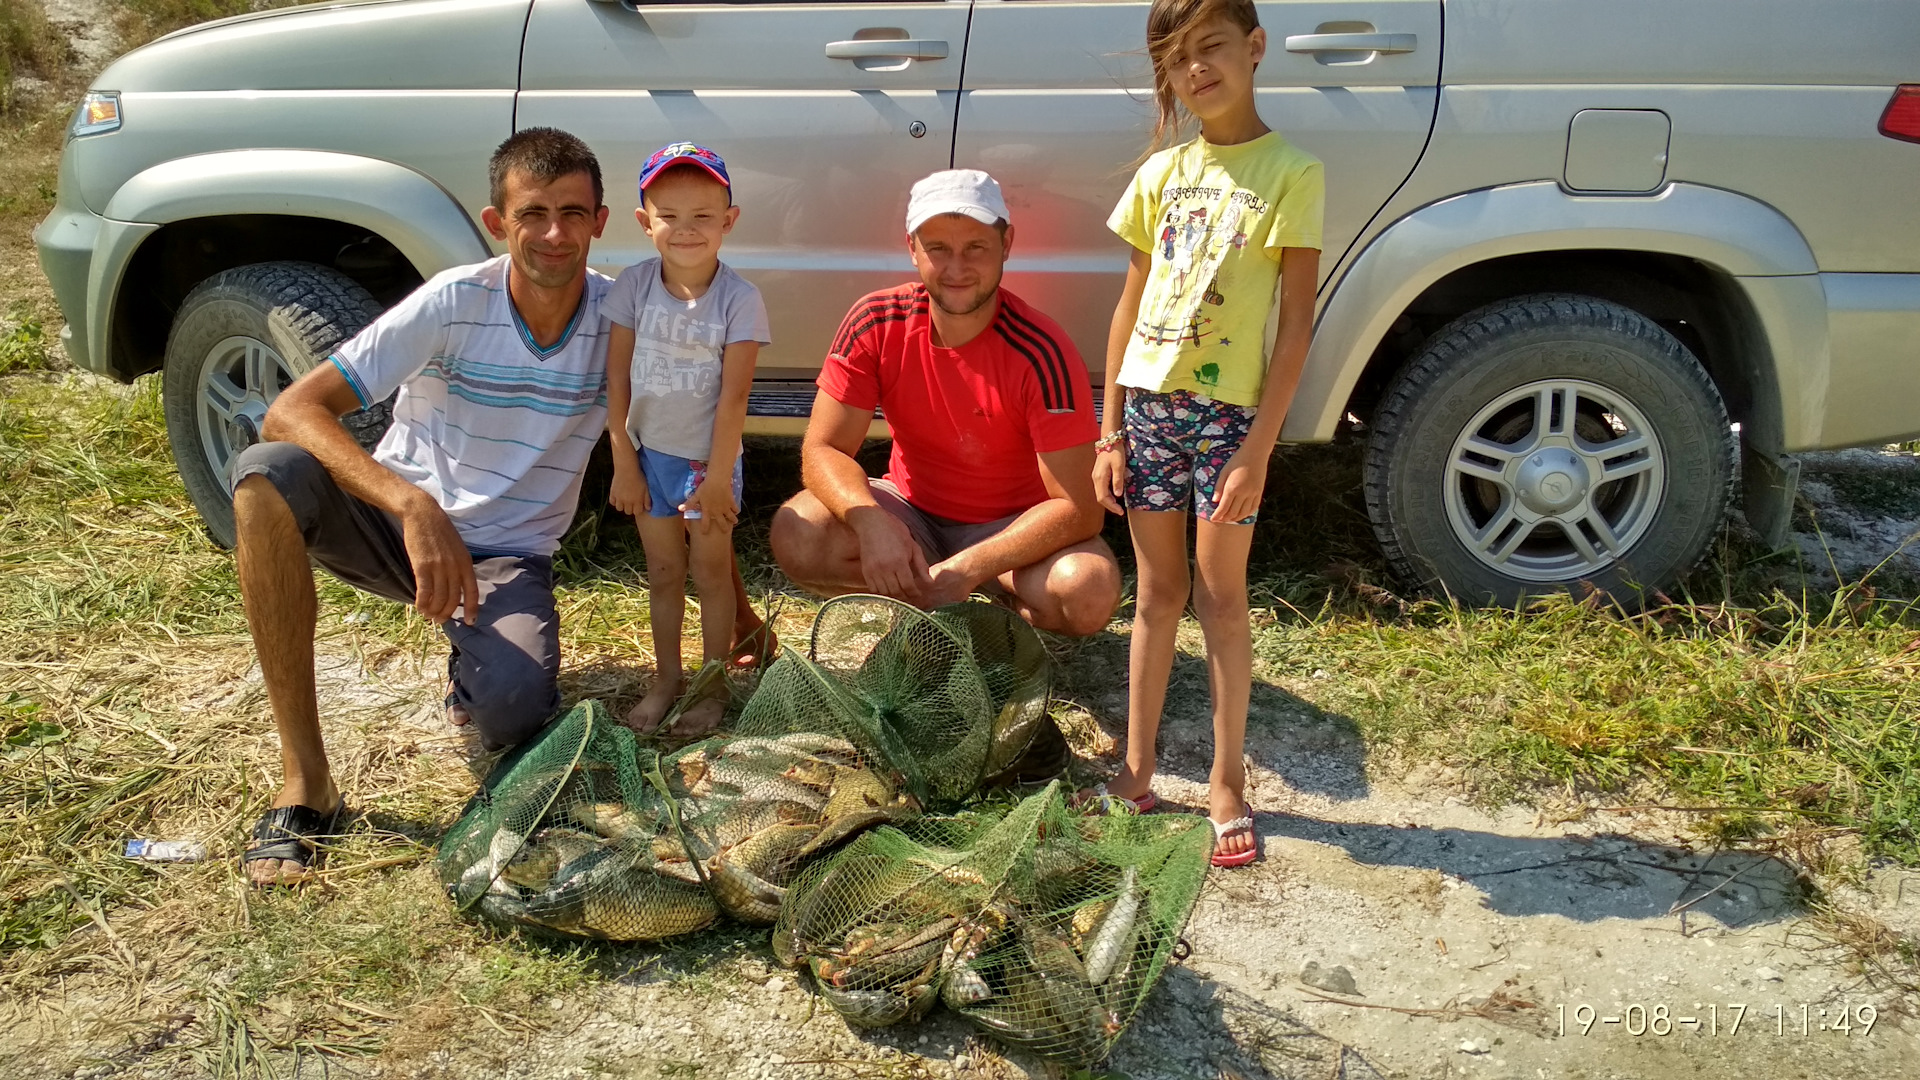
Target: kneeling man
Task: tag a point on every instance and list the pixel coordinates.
(989, 487)
(501, 373)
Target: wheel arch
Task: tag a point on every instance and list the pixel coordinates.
(1708, 264)
(178, 223)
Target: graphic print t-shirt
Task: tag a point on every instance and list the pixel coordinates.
(1214, 219)
(677, 348)
(494, 427)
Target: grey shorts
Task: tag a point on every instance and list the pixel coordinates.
(506, 666)
(939, 538)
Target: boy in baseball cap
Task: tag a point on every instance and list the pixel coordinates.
(685, 333)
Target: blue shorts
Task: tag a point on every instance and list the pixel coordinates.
(672, 481)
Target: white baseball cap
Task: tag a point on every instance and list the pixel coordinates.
(956, 191)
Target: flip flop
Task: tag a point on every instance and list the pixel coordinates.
(1142, 805)
(294, 834)
(1243, 823)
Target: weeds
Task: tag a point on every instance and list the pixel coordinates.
(25, 346)
(29, 45)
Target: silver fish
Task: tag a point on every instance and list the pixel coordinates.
(1114, 940)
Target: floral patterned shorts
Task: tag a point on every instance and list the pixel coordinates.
(1177, 444)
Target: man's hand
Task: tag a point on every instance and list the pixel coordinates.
(629, 494)
(443, 580)
(947, 584)
(1110, 478)
(890, 560)
(714, 501)
(1239, 486)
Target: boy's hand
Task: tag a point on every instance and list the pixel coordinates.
(1110, 478)
(1237, 491)
(629, 494)
(714, 501)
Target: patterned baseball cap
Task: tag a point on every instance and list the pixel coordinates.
(684, 153)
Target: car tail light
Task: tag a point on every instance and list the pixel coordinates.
(1902, 118)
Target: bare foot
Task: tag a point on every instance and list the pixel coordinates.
(1224, 805)
(753, 646)
(266, 872)
(653, 708)
(700, 719)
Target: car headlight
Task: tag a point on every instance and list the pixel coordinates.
(98, 114)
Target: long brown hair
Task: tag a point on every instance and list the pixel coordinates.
(1168, 24)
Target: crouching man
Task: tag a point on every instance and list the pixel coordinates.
(501, 372)
(989, 487)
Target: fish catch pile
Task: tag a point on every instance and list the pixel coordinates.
(847, 812)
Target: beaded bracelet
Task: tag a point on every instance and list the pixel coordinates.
(1110, 441)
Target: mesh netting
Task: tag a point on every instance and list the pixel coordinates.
(585, 833)
(948, 700)
(1045, 927)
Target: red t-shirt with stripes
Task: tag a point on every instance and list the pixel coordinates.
(966, 422)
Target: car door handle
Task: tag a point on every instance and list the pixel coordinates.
(887, 49)
(1380, 43)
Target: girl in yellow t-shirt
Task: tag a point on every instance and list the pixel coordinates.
(1200, 374)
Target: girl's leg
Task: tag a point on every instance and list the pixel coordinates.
(1160, 550)
(711, 559)
(1220, 602)
(665, 542)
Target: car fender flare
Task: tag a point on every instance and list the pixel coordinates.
(1748, 240)
(412, 212)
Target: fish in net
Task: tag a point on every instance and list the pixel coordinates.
(585, 833)
(949, 700)
(1045, 927)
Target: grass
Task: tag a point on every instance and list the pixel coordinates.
(126, 709)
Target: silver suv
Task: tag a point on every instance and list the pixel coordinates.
(1580, 258)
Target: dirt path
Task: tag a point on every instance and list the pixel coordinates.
(1454, 937)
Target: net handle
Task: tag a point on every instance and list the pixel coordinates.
(578, 753)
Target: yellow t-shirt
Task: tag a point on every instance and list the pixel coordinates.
(1214, 218)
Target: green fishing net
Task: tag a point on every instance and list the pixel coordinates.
(948, 700)
(1044, 926)
(585, 833)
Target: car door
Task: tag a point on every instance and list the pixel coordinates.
(825, 113)
(1057, 103)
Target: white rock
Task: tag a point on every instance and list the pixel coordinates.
(1474, 1046)
(776, 984)
(961, 1061)
(1766, 974)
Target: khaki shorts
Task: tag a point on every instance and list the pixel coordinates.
(939, 538)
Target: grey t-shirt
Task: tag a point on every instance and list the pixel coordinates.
(677, 345)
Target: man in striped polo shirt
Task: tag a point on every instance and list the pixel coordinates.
(990, 484)
(500, 373)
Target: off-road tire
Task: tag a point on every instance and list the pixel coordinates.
(299, 312)
(1510, 355)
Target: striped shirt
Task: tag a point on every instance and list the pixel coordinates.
(968, 423)
(494, 427)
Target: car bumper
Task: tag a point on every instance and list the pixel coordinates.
(66, 243)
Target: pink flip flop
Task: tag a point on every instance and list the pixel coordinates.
(1243, 823)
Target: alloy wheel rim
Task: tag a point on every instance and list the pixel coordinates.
(239, 378)
(1554, 480)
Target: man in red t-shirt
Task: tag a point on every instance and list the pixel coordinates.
(990, 484)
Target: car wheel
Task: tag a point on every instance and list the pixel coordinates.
(240, 338)
(1548, 442)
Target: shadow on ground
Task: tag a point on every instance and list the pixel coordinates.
(1585, 878)
(1315, 752)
